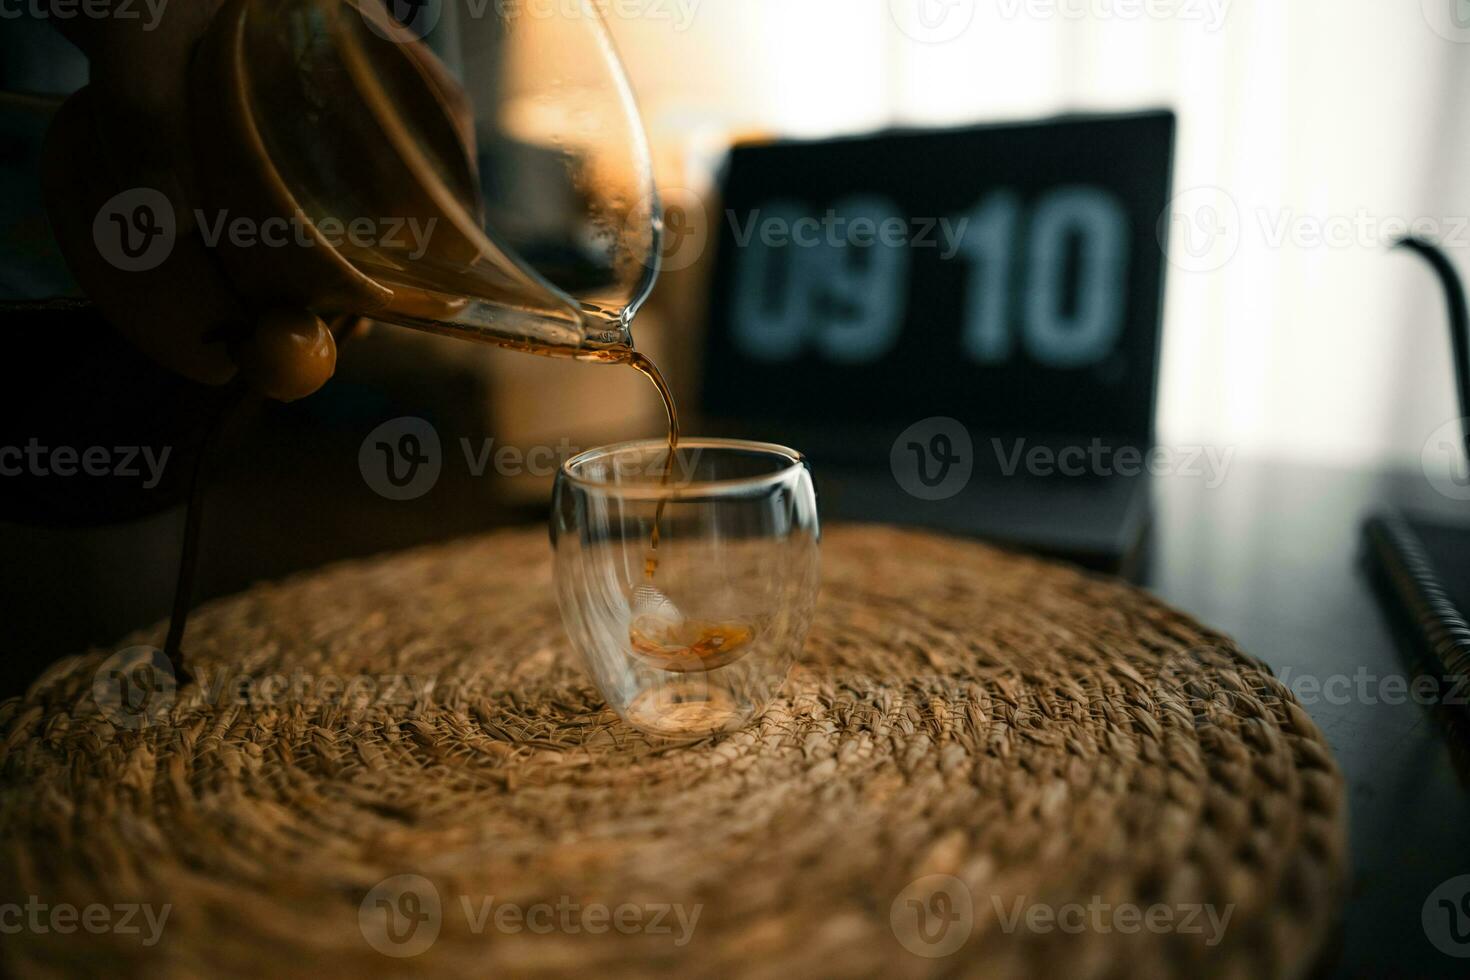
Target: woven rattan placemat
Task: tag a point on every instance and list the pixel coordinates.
(987, 764)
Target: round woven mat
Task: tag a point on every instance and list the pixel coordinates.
(987, 764)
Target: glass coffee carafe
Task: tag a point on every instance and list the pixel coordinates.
(505, 139)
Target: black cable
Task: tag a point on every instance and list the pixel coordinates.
(184, 585)
(1454, 291)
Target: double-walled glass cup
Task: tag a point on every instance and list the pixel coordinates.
(687, 584)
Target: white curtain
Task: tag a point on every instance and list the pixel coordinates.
(1327, 124)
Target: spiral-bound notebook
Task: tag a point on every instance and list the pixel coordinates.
(1424, 567)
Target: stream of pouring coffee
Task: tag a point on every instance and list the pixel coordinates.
(683, 646)
(639, 362)
(645, 366)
